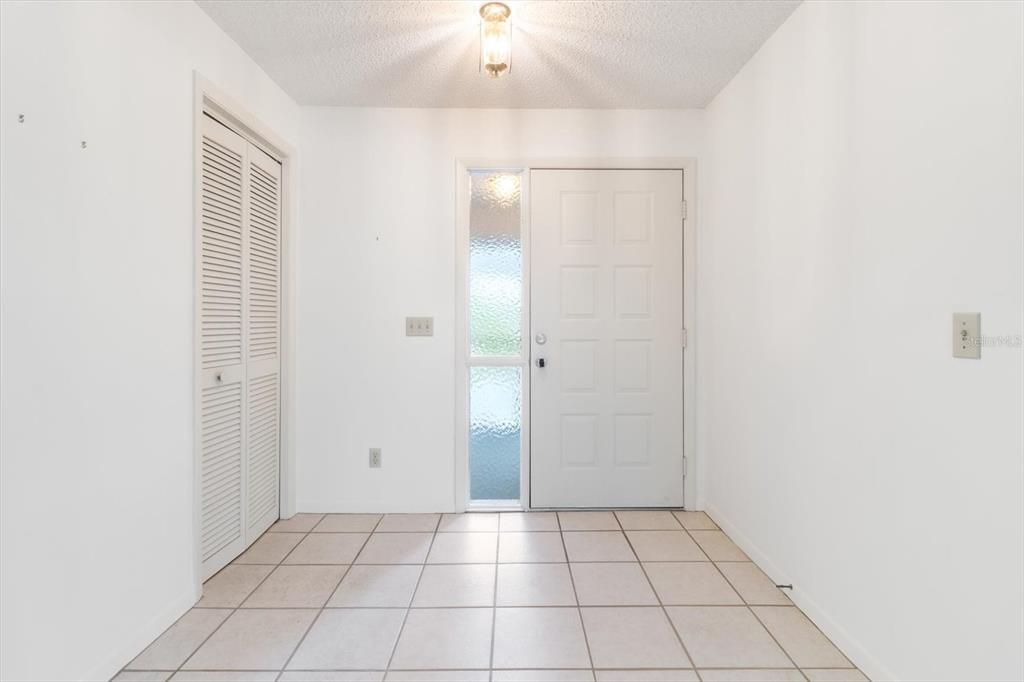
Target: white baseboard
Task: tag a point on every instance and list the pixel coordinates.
(848, 644)
(142, 638)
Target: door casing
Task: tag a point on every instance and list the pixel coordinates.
(693, 483)
(209, 99)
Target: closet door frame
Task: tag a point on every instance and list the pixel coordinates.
(210, 100)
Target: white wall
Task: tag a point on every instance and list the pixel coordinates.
(378, 244)
(96, 468)
(864, 181)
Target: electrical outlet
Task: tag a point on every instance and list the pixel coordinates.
(375, 458)
(419, 326)
(967, 335)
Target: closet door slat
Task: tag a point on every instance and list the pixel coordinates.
(263, 339)
(221, 423)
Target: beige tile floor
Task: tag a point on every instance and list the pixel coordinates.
(656, 596)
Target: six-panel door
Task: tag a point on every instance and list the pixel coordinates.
(606, 319)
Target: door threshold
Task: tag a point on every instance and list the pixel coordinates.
(494, 506)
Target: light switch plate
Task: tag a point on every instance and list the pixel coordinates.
(967, 335)
(419, 326)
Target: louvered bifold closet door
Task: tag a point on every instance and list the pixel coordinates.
(222, 432)
(263, 340)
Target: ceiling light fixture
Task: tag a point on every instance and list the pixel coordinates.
(495, 39)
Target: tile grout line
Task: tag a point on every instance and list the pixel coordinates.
(746, 605)
(789, 603)
(777, 642)
(320, 611)
(415, 589)
(661, 604)
(575, 595)
(351, 563)
(494, 601)
(243, 600)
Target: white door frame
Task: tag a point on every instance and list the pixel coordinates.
(209, 99)
(691, 490)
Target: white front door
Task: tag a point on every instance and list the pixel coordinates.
(606, 302)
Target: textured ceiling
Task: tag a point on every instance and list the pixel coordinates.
(592, 54)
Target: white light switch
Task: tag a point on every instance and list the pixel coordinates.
(966, 335)
(419, 326)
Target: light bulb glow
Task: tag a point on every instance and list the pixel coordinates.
(495, 39)
(506, 186)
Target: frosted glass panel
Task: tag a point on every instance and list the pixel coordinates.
(495, 265)
(495, 416)
(495, 329)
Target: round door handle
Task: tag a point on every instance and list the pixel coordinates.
(541, 339)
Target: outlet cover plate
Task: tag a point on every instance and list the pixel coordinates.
(375, 458)
(419, 326)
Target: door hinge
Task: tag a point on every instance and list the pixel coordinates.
(684, 209)
(684, 337)
(686, 468)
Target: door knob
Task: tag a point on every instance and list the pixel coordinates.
(540, 363)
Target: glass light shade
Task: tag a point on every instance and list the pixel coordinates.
(495, 39)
